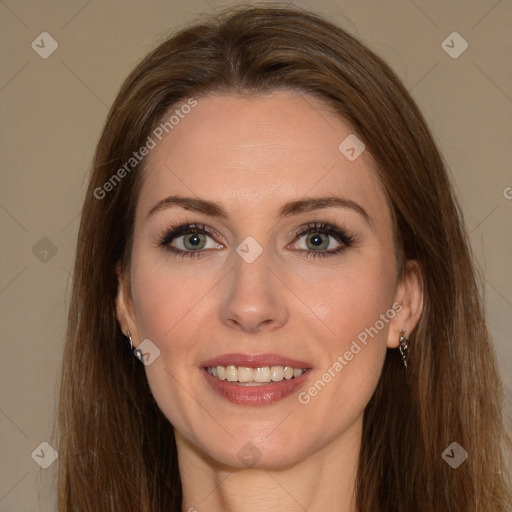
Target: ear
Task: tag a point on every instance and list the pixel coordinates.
(409, 303)
(124, 306)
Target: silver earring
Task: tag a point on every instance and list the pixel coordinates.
(137, 352)
(404, 347)
(130, 339)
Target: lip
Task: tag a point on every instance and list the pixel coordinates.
(255, 361)
(265, 394)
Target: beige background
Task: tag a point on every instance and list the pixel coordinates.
(53, 110)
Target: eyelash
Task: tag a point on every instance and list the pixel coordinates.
(341, 235)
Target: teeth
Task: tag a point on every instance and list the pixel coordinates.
(277, 373)
(245, 374)
(231, 373)
(254, 376)
(288, 372)
(261, 374)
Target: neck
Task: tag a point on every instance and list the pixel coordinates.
(323, 480)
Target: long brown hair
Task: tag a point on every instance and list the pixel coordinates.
(117, 451)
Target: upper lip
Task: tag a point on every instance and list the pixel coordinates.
(255, 361)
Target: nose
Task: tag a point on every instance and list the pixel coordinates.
(253, 297)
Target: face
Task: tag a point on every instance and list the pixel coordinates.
(261, 250)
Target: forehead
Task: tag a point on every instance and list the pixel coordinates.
(255, 153)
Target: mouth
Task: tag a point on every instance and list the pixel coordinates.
(255, 380)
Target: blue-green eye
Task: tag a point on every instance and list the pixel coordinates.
(189, 240)
(194, 240)
(321, 239)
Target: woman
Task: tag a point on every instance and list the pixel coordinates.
(274, 304)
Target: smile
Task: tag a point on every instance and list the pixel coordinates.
(255, 379)
(245, 376)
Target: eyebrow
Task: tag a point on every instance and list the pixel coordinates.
(214, 209)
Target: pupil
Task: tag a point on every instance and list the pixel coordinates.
(316, 240)
(194, 239)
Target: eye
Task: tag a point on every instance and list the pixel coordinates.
(317, 239)
(188, 239)
(322, 239)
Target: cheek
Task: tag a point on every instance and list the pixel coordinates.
(164, 299)
(168, 307)
(356, 308)
(352, 298)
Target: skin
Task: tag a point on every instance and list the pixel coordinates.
(252, 155)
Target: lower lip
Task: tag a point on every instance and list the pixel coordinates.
(264, 394)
